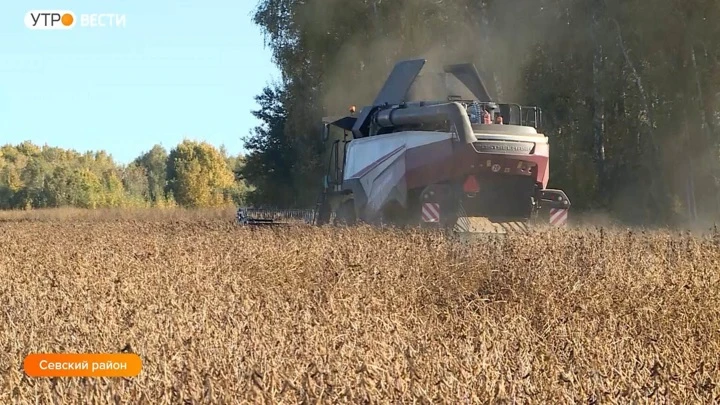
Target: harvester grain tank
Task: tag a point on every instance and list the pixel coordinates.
(434, 150)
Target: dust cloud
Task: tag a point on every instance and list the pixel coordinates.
(439, 31)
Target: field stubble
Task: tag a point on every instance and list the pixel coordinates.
(221, 314)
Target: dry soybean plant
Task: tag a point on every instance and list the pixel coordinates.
(223, 314)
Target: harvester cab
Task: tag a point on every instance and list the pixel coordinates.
(437, 151)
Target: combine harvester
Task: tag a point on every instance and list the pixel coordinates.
(435, 151)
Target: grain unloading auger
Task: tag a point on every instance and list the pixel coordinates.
(434, 150)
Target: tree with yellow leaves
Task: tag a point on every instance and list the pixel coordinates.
(198, 175)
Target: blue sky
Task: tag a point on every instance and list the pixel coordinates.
(178, 69)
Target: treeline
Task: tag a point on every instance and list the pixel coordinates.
(193, 174)
(630, 89)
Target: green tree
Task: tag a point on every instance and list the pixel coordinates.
(135, 183)
(154, 162)
(270, 165)
(240, 191)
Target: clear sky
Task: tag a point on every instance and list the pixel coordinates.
(178, 69)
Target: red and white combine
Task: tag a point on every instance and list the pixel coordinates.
(434, 150)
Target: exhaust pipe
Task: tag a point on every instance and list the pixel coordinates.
(429, 114)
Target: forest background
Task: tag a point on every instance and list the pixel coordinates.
(630, 93)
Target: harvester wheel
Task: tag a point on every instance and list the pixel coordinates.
(393, 214)
(323, 214)
(346, 214)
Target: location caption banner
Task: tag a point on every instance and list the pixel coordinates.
(82, 365)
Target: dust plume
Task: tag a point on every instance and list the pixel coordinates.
(438, 31)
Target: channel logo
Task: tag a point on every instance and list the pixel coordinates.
(50, 19)
(66, 19)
